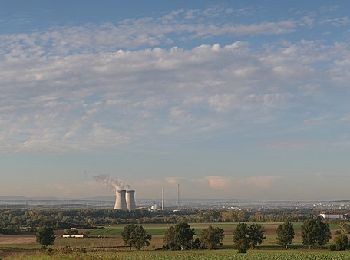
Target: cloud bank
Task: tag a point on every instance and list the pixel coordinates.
(108, 99)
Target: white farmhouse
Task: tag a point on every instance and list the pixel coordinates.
(331, 216)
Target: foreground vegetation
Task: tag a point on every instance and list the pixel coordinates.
(14, 221)
(189, 255)
(312, 238)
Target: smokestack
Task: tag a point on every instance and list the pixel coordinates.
(130, 199)
(120, 200)
(178, 195)
(162, 198)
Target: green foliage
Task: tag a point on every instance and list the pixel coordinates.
(136, 236)
(256, 235)
(179, 237)
(344, 227)
(285, 234)
(211, 238)
(12, 221)
(71, 231)
(341, 243)
(45, 236)
(315, 232)
(241, 238)
(196, 244)
(245, 236)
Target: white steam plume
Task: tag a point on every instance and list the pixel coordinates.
(112, 182)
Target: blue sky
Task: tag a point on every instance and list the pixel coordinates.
(232, 99)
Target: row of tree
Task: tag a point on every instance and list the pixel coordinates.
(20, 220)
(177, 237)
(315, 232)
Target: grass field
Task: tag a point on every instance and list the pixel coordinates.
(106, 243)
(157, 231)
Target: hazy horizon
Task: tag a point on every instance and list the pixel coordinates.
(231, 99)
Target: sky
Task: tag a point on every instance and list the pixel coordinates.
(231, 99)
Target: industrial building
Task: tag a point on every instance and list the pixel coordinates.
(125, 200)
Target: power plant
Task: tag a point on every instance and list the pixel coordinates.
(130, 200)
(120, 200)
(125, 200)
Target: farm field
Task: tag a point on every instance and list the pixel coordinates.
(15, 239)
(189, 255)
(157, 231)
(107, 243)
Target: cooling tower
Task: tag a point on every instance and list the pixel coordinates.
(120, 200)
(130, 199)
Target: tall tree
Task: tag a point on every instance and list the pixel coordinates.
(285, 234)
(136, 236)
(256, 235)
(241, 237)
(211, 238)
(127, 234)
(315, 232)
(179, 237)
(45, 236)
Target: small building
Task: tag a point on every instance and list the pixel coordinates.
(331, 216)
(73, 236)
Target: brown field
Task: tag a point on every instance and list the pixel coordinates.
(16, 239)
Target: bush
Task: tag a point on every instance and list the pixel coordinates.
(337, 232)
(136, 236)
(45, 236)
(245, 236)
(341, 243)
(197, 244)
(332, 247)
(179, 237)
(211, 238)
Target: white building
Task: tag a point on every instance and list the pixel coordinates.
(331, 216)
(73, 236)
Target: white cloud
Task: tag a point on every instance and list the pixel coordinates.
(222, 102)
(218, 182)
(212, 186)
(59, 99)
(134, 33)
(251, 182)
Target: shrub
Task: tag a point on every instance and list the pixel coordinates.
(341, 242)
(45, 236)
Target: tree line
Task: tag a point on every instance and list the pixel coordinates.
(315, 233)
(26, 220)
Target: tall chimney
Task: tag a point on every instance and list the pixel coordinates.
(130, 199)
(162, 198)
(178, 195)
(120, 200)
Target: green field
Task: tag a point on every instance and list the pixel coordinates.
(107, 243)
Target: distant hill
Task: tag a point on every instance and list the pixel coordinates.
(26, 198)
(13, 198)
(100, 198)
